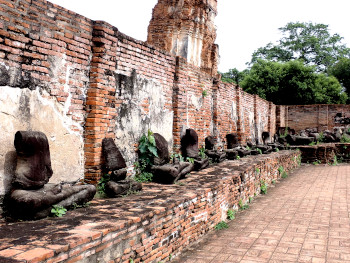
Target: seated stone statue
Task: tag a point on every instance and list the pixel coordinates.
(250, 149)
(234, 149)
(232, 143)
(214, 155)
(243, 151)
(275, 144)
(115, 165)
(264, 148)
(32, 196)
(189, 148)
(265, 137)
(164, 172)
(283, 131)
(299, 140)
(330, 137)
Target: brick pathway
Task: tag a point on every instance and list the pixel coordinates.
(305, 218)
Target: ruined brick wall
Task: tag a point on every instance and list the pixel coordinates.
(247, 117)
(186, 28)
(45, 55)
(272, 118)
(193, 102)
(263, 116)
(236, 111)
(148, 102)
(215, 108)
(225, 111)
(327, 153)
(79, 81)
(280, 116)
(320, 116)
(130, 92)
(254, 116)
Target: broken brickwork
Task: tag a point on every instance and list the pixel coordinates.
(186, 28)
(320, 116)
(79, 81)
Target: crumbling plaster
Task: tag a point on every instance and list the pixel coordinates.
(134, 119)
(25, 109)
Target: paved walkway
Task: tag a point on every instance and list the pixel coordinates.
(305, 218)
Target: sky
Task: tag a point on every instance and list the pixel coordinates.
(242, 25)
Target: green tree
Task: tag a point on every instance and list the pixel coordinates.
(292, 83)
(312, 43)
(234, 76)
(328, 90)
(263, 79)
(341, 70)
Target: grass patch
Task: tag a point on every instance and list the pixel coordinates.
(317, 162)
(335, 160)
(231, 214)
(282, 172)
(242, 206)
(221, 225)
(345, 139)
(263, 187)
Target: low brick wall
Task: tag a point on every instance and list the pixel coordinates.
(147, 227)
(325, 153)
(342, 151)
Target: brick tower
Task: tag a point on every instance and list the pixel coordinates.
(186, 28)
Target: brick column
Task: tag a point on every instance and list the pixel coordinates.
(322, 117)
(256, 130)
(281, 116)
(178, 105)
(272, 119)
(240, 118)
(216, 112)
(100, 120)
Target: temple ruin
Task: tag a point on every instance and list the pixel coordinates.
(186, 28)
(88, 87)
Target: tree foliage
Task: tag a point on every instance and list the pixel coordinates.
(308, 65)
(311, 43)
(292, 83)
(234, 76)
(341, 70)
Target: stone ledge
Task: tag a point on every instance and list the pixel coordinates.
(148, 227)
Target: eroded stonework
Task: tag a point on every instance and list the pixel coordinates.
(186, 28)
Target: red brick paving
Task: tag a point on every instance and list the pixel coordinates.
(305, 218)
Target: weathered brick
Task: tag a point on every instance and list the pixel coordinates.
(35, 255)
